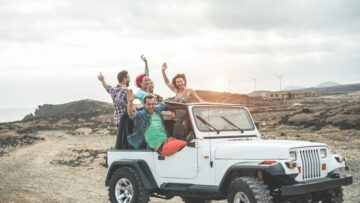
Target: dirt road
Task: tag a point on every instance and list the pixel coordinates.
(31, 173)
(64, 168)
(61, 168)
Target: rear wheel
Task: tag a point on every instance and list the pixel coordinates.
(248, 190)
(126, 187)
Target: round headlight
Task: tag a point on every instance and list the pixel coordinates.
(293, 156)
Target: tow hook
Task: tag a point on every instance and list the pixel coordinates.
(308, 198)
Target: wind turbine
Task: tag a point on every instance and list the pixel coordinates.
(280, 77)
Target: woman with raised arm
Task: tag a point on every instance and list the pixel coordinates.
(183, 95)
(141, 81)
(178, 86)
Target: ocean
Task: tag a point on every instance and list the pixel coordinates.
(14, 114)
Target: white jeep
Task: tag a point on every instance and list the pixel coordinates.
(225, 158)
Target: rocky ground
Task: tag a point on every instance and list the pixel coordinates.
(57, 157)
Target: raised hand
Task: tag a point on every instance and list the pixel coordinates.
(164, 67)
(143, 58)
(101, 77)
(130, 95)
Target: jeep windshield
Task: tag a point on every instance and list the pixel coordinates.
(222, 119)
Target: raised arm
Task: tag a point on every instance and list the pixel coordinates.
(195, 96)
(146, 65)
(102, 79)
(130, 106)
(167, 82)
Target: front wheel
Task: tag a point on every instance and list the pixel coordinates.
(333, 196)
(248, 190)
(126, 187)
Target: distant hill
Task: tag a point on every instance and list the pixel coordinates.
(328, 84)
(77, 107)
(328, 88)
(339, 89)
(225, 97)
(93, 107)
(85, 107)
(258, 93)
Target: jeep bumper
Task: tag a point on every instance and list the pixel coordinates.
(315, 185)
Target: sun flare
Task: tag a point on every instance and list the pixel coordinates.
(220, 85)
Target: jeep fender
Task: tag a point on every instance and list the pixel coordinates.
(140, 166)
(274, 169)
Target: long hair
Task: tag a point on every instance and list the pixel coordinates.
(179, 75)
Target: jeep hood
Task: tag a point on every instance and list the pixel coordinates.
(260, 149)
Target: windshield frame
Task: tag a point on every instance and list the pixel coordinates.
(247, 114)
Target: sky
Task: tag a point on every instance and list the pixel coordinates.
(52, 51)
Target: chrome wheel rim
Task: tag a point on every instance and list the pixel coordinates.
(124, 191)
(241, 197)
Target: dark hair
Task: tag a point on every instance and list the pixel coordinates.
(122, 75)
(176, 77)
(148, 96)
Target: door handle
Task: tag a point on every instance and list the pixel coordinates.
(161, 157)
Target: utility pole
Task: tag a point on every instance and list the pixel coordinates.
(255, 82)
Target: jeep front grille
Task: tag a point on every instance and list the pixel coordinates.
(311, 164)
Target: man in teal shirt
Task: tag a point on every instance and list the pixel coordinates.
(149, 125)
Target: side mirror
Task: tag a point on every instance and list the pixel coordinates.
(257, 125)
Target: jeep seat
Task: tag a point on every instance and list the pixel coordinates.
(169, 125)
(126, 127)
(179, 131)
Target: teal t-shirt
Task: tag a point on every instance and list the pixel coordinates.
(155, 134)
(140, 95)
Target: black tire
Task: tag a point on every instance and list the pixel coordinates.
(128, 178)
(194, 200)
(334, 196)
(248, 189)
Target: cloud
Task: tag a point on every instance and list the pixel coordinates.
(330, 16)
(71, 41)
(127, 19)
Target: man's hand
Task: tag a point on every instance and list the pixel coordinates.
(164, 67)
(143, 58)
(130, 95)
(130, 106)
(101, 77)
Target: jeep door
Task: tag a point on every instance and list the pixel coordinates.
(183, 164)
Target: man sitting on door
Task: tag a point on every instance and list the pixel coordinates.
(149, 124)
